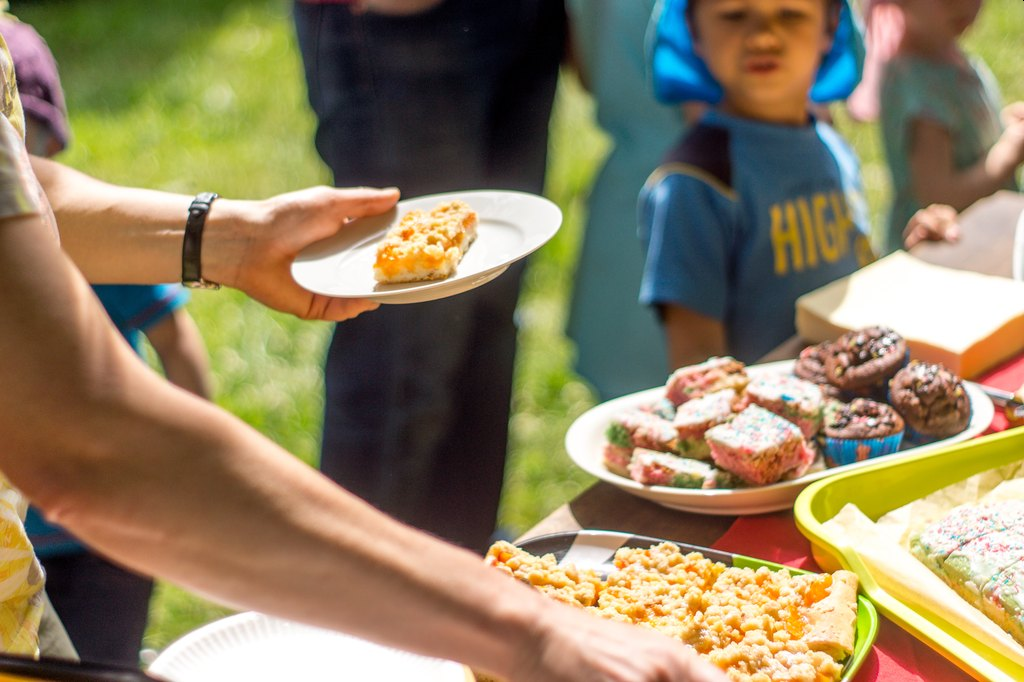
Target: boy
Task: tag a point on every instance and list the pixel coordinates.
(759, 203)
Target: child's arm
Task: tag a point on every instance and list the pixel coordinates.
(178, 343)
(692, 337)
(936, 181)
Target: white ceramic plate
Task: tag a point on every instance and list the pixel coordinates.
(257, 648)
(585, 441)
(512, 225)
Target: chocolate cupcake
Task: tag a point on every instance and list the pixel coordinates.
(810, 366)
(931, 399)
(861, 430)
(862, 361)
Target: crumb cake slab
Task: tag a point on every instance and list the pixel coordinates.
(594, 550)
(511, 226)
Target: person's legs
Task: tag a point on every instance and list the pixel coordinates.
(103, 607)
(443, 101)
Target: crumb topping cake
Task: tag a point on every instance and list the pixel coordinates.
(426, 245)
(756, 624)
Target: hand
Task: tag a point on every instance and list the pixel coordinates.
(1012, 137)
(250, 245)
(576, 646)
(935, 223)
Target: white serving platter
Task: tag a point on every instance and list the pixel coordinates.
(585, 440)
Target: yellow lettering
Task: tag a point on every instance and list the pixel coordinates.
(786, 236)
(810, 248)
(843, 223)
(825, 229)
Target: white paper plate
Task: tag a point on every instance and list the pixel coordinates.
(512, 225)
(257, 648)
(585, 441)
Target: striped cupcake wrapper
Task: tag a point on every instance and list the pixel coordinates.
(840, 451)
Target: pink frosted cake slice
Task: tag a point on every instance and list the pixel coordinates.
(695, 417)
(660, 468)
(714, 374)
(792, 398)
(760, 447)
(641, 429)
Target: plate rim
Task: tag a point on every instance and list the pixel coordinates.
(537, 235)
(755, 499)
(178, 650)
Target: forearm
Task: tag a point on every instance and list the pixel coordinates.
(144, 228)
(170, 485)
(962, 188)
(935, 177)
(692, 337)
(123, 235)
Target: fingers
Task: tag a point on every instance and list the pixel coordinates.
(341, 309)
(359, 202)
(937, 222)
(1012, 113)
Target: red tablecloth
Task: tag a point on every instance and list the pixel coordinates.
(897, 656)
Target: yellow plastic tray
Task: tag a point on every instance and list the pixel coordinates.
(882, 487)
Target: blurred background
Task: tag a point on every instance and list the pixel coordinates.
(195, 95)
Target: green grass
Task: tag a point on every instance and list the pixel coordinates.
(190, 95)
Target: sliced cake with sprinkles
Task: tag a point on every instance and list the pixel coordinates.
(978, 550)
(793, 399)
(760, 447)
(661, 468)
(963, 525)
(714, 374)
(695, 417)
(642, 429)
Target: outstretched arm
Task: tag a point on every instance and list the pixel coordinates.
(937, 181)
(170, 485)
(248, 245)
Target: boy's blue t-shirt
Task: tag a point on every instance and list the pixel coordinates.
(132, 308)
(744, 217)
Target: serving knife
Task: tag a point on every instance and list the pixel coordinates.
(1012, 404)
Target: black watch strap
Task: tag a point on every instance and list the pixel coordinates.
(192, 245)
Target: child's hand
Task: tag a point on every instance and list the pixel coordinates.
(1012, 116)
(935, 223)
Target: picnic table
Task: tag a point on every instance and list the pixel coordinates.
(986, 246)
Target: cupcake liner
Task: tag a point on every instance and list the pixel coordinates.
(840, 451)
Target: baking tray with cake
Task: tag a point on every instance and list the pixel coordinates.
(619, 575)
(724, 438)
(925, 535)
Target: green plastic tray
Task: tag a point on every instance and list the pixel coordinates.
(595, 549)
(882, 487)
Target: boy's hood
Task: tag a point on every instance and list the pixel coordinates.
(681, 76)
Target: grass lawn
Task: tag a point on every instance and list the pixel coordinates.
(195, 95)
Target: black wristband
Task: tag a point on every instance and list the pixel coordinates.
(192, 245)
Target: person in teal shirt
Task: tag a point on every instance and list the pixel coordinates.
(619, 346)
(946, 141)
